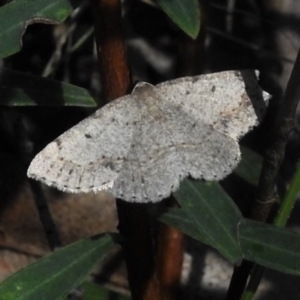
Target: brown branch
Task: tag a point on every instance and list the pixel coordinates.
(171, 241)
(134, 227)
(111, 50)
(284, 123)
(138, 250)
(169, 262)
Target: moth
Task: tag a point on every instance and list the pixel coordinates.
(140, 146)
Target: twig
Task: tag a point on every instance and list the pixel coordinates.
(283, 124)
(138, 246)
(41, 204)
(138, 250)
(49, 226)
(111, 49)
(170, 258)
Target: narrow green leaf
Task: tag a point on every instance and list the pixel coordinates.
(289, 200)
(19, 89)
(214, 215)
(16, 15)
(184, 13)
(177, 218)
(270, 246)
(250, 166)
(53, 276)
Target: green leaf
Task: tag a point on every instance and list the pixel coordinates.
(184, 13)
(214, 215)
(206, 219)
(53, 276)
(264, 244)
(289, 200)
(19, 89)
(177, 218)
(16, 15)
(270, 246)
(250, 166)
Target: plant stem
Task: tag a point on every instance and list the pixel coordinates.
(111, 51)
(280, 221)
(169, 262)
(257, 274)
(273, 159)
(50, 229)
(138, 250)
(134, 227)
(49, 226)
(284, 123)
(239, 280)
(82, 39)
(289, 200)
